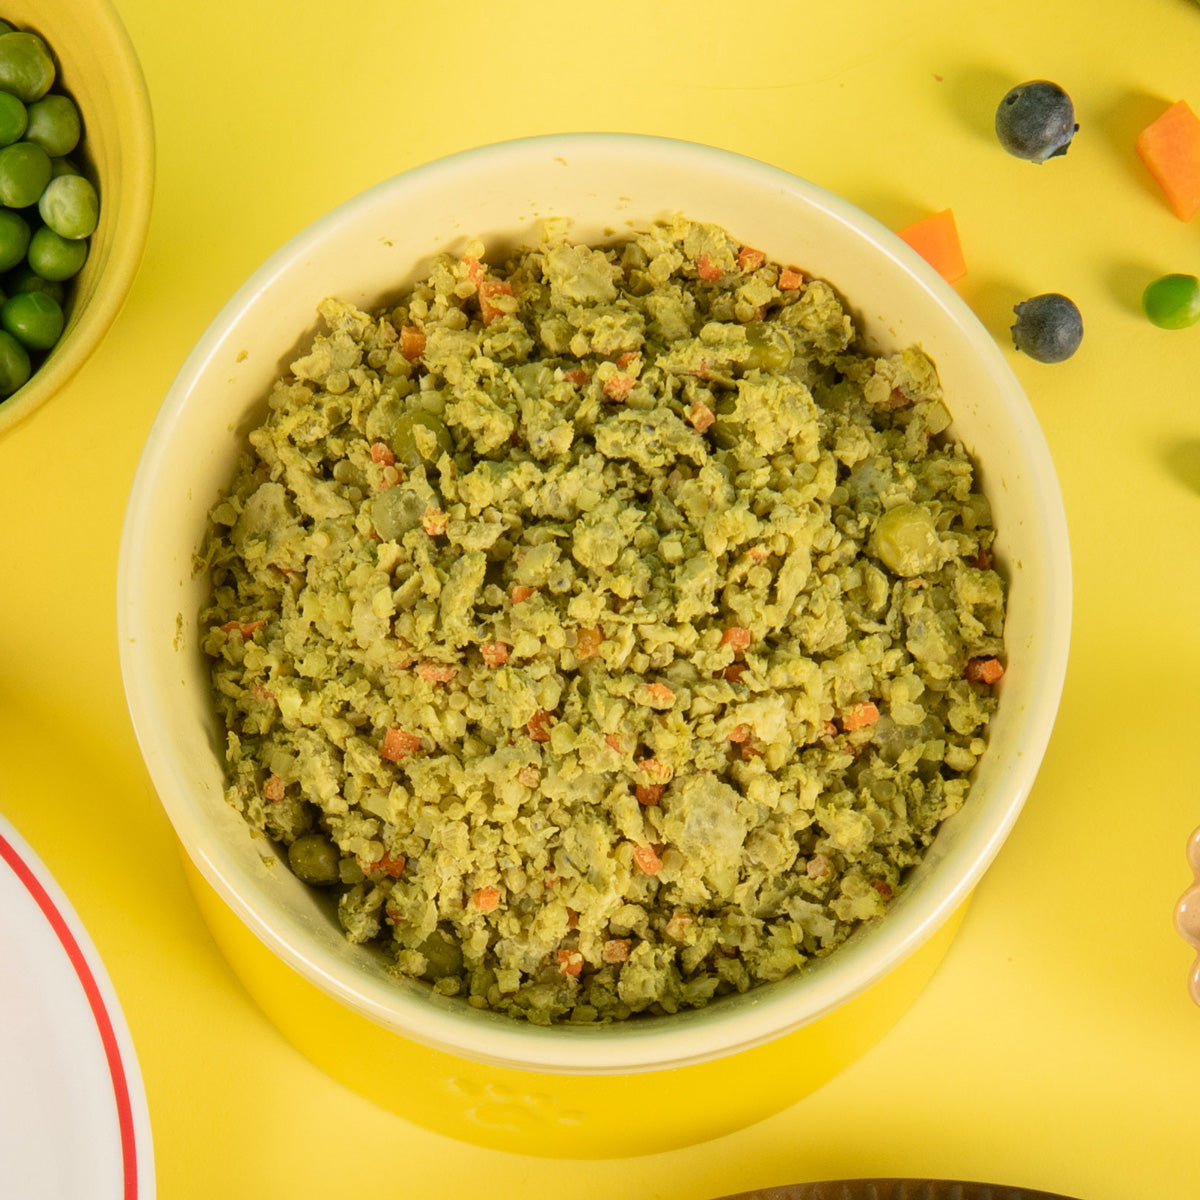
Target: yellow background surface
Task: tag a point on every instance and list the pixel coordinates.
(1056, 1047)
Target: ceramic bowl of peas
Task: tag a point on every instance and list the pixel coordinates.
(76, 181)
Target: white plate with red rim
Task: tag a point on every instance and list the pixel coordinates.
(73, 1115)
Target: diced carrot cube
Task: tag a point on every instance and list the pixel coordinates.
(707, 269)
(789, 280)
(737, 636)
(739, 734)
(570, 962)
(701, 416)
(935, 239)
(489, 289)
(750, 259)
(521, 592)
(588, 643)
(273, 788)
(984, 670)
(412, 342)
(434, 522)
(433, 672)
(382, 453)
(539, 725)
(617, 387)
(647, 860)
(398, 744)
(495, 654)
(860, 716)
(485, 899)
(1170, 148)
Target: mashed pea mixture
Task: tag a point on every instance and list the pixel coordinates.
(607, 628)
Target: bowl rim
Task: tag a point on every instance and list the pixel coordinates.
(652, 1043)
(113, 46)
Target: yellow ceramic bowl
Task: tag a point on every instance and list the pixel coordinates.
(477, 1074)
(99, 68)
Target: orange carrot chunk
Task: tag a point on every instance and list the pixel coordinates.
(984, 670)
(1170, 148)
(412, 342)
(398, 744)
(935, 239)
(860, 716)
(485, 899)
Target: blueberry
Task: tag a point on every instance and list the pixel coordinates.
(1048, 327)
(1036, 120)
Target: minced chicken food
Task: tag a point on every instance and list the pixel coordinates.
(608, 628)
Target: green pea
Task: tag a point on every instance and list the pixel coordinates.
(314, 859)
(26, 66)
(905, 540)
(14, 238)
(443, 956)
(70, 206)
(63, 166)
(54, 124)
(420, 436)
(1173, 302)
(14, 119)
(770, 349)
(6, 27)
(25, 279)
(14, 364)
(24, 173)
(33, 318)
(55, 257)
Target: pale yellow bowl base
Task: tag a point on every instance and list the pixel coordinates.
(562, 1116)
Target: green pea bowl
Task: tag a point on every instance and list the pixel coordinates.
(98, 68)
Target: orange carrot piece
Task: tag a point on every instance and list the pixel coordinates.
(588, 642)
(539, 725)
(707, 269)
(613, 741)
(495, 654)
(734, 672)
(412, 342)
(701, 416)
(739, 734)
(789, 280)
(984, 670)
(521, 592)
(570, 962)
(1170, 148)
(489, 289)
(246, 628)
(749, 259)
(485, 899)
(647, 860)
(398, 744)
(659, 693)
(433, 672)
(617, 387)
(577, 375)
(737, 636)
(649, 794)
(434, 521)
(273, 788)
(382, 453)
(935, 239)
(387, 864)
(615, 950)
(860, 716)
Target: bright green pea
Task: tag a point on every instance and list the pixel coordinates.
(14, 119)
(25, 279)
(55, 257)
(24, 173)
(70, 206)
(314, 858)
(14, 364)
(1173, 302)
(14, 238)
(54, 124)
(33, 318)
(26, 67)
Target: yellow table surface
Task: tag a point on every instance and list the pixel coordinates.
(1056, 1047)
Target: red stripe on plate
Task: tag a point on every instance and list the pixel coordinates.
(112, 1052)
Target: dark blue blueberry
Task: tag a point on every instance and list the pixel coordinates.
(1036, 121)
(1048, 327)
